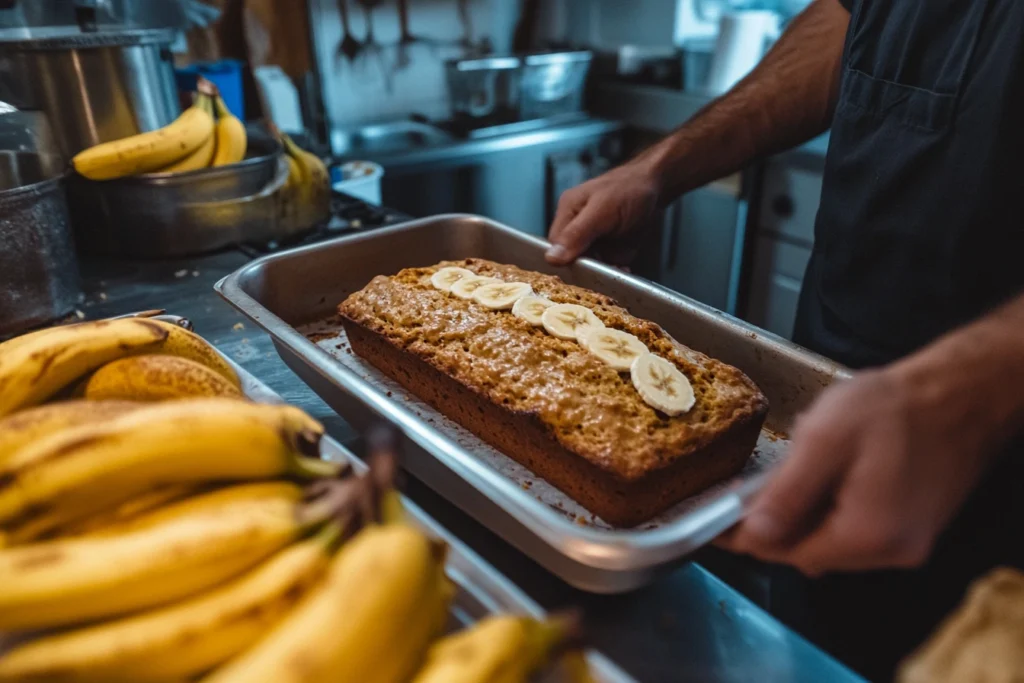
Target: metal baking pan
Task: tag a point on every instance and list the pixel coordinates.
(482, 589)
(294, 294)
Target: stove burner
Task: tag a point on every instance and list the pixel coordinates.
(348, 215)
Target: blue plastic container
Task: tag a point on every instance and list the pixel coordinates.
(225, 74)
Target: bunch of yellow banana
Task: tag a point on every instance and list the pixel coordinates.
(149, 360)
(307, 195)
(507, 649)
(155, 541)
(206, 134)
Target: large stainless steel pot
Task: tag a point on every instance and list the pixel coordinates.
(94, 87)
(162, 214)
(38, 270)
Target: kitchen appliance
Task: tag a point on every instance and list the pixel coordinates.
(743, 38)
(286, 293)
(174, 214)
(484, 89)
(514, 174)
(38, 271)
(97, 77)
(641, 64)
(551, 83)
(26, 131)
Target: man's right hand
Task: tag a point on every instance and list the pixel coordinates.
(787, 99)
(611, 205)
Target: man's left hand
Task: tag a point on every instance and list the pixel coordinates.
(877, 468)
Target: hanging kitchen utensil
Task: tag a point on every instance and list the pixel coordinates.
(405, 38)
(467, 24)
(349, 46)
(371, 48)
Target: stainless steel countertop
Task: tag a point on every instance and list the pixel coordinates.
(687, 627)
(462, 150)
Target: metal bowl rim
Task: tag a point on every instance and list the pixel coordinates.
(39, 187)
(198, 174)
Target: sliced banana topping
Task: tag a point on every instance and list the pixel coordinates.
(569, 321)
(531, 308)
(464, 287)
(616, 348)
(501, 296)
(661, 385)
(446, 277)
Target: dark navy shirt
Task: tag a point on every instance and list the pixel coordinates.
(921, 224)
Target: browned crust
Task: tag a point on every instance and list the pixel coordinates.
(526, 439)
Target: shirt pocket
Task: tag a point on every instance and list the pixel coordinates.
(906, 60)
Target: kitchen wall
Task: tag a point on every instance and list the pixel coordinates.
(377, 85)
(607, 24)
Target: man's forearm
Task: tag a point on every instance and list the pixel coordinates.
(788, 99)
(977, 371)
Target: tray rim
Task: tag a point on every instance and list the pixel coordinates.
(617, 550)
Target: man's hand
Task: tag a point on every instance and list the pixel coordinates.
(787, 99)
(612, 205)
(881, 463)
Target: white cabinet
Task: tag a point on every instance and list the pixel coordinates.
(701, 244)
(788, 206)
(777, 274)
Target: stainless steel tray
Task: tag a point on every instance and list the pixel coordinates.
(294, 293)
(482, 589)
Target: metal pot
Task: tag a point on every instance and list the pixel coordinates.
(38, 271)
(94, 87)
(163, 215)
(483, 87)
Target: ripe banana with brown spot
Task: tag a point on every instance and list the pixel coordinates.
(27, 426)
(50, 525)
(183, 639)
(229, 500)
(89, 468)
(186, 344)
(148, 151)
(371, 620)
(499, 649)
(36, 368)
(312, 189)
(157, 377)
(231, 136)
(69, 581)
(203, 155)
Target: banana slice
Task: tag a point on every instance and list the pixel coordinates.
(569, 321)
(616, 348)
(501, 296)
(661, 385)
(531, 308)
(446, 277)
(464, 287)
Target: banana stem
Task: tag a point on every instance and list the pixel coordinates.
(564, 631)
(207, 87)
(383, 447)
(335, 533)
(315, 468)
(336, 502)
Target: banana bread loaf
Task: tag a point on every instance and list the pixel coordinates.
(549, 402)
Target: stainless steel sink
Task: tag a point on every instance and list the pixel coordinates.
(386, 139)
